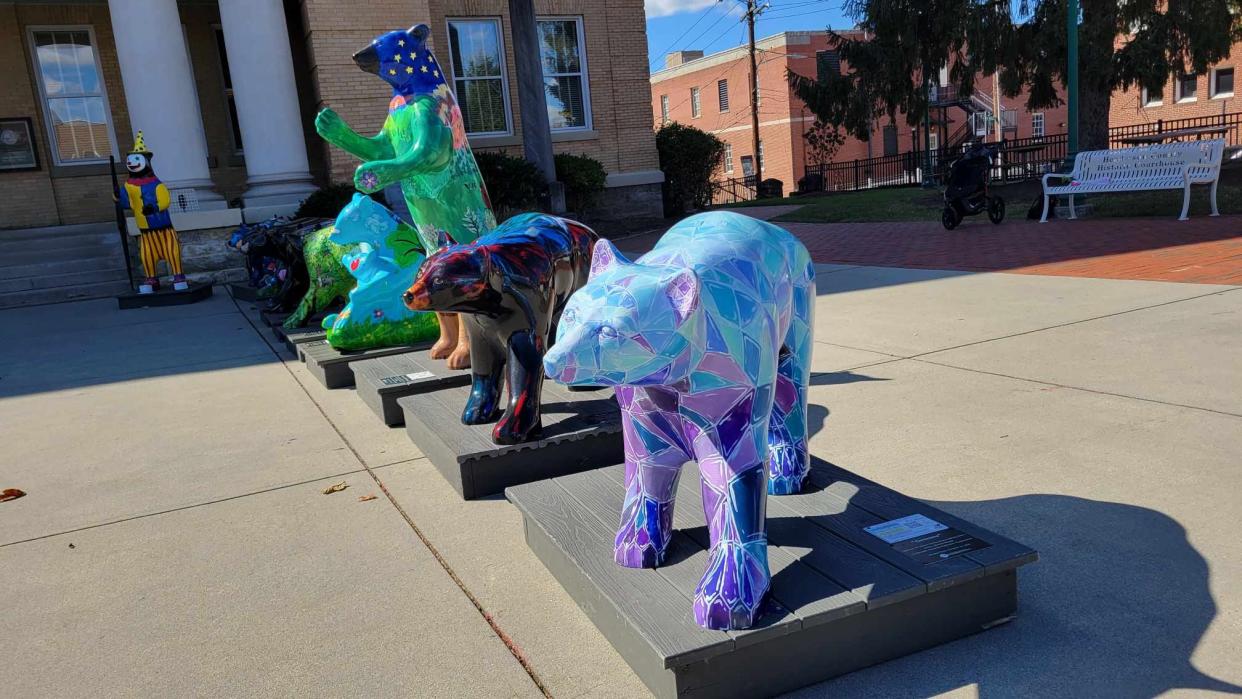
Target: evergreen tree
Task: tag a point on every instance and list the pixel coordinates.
(1122, 44)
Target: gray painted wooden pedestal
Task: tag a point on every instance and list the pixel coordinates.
(382, 381)
(841, 598)
(581, 430)
(166, 296)
(298, 336)
(331, 366)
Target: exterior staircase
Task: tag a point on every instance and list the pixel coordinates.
(62, 263)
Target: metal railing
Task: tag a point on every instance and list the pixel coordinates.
(733, 190)
(1231, 122)
(1020, 160)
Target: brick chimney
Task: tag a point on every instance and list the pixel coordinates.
(676, 58)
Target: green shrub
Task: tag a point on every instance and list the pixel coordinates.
(688, 157)
(328, 202)
(583, 177)
(513, 183)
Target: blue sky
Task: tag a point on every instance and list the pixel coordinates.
(713, 25)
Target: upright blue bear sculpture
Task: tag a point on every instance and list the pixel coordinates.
(707, 339)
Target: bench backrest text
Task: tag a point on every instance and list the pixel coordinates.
(1201, 158)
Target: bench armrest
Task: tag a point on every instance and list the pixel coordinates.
(1062, 175)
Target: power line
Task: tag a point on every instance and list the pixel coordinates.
(702, 16)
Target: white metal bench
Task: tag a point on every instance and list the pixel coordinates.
(1164, 166)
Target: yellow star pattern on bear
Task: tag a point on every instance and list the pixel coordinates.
(435, 73)
(424, 69)
(409, 69)
(400, 42)
(397, 58)
(392, 71)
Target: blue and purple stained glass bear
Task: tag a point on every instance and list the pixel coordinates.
(707, 341)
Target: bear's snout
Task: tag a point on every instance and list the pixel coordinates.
(368, 60)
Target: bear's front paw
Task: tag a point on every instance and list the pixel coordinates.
(731, 592)
(479, 413)
(368, 178)
(515, 428)
(643, 540)
(459, 358)
(328, 123)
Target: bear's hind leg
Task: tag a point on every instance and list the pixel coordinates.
(653, 463)
(789, 461)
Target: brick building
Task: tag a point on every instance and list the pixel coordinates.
(712, 93)
(226, 92)
(1207, 94)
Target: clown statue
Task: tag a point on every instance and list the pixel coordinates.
(148, 199)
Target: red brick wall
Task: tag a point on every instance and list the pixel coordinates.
(1126, 107)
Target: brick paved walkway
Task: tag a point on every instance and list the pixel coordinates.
(1202, 250)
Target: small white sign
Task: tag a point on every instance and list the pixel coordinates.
(419, 375)
(905, 528)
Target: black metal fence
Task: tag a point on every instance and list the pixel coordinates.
(1230, 126)
(733, 190)
(1020, 159)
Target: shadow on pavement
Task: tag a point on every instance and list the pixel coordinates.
(1115, 607)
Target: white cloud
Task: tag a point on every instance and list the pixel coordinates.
(662, 8)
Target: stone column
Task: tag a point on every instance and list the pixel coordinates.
(536, 129)
(261, 66)
(160, 94)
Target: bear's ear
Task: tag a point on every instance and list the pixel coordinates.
(419, 31)
(682, 290)
(605, 256)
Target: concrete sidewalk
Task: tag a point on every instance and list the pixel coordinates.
(1098, 421)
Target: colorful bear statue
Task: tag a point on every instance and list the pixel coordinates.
(327, 282)
(384, 262)
(511, 285)
(707, 341)
(148, 199)
(422, 146)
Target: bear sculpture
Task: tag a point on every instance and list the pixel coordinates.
(386, 257)
(326, 281)
(511, 285)
(707, 341)
(422, 145)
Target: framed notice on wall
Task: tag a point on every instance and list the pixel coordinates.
(17, 146)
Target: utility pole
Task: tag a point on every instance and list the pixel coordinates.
(998, 109)
(1071, 36)
(751, 10)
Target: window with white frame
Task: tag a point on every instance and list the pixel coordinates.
(565, 84)
(1037, 124)
(1222, 83)
(696, 109)
(1153, 98)
(663, 109)
(728, 158)
(75, 101)
(722, 92)
(479, 77)
(1186, 85)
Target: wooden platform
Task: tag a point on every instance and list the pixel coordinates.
(273, 318)
(380, 382)
(581, 430)
(166, 296)
(298, 336)
(841, 598)
(331, 366)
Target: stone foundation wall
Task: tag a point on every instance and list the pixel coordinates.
(204, 256)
